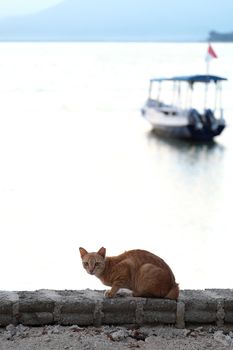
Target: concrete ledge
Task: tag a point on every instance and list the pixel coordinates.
(87, 307)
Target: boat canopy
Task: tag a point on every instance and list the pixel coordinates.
(192, 79)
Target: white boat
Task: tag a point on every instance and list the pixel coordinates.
(185, 113)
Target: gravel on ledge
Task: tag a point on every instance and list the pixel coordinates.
(114, 337)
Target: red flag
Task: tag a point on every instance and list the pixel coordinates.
(210, 53)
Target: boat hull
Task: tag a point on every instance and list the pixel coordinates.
(205, 134)
(187, 132)
(181, 127)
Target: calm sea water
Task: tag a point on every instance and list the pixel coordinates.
(80, 167)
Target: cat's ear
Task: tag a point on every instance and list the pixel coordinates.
(82, 252)
(102, 252)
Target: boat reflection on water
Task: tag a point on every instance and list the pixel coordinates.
(192, 149)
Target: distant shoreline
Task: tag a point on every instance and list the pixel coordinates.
(220, 37)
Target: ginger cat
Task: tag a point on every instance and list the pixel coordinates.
(144, 273)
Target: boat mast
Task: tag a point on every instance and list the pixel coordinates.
(150, 89)
(219, 87)
(159, 91)
(205, 95)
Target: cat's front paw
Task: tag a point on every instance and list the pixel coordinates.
(109, 294)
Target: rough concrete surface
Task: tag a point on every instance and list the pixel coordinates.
(92, 308)
(78, 320)
(113, 337)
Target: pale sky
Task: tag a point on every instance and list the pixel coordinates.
(21, 7)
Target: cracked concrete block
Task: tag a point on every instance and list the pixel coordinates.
(228, 307)
(119, 311)
(36, 318)
(159, 311)
(37, 301)
(199, 307)
(8, 300)
(77, 307)
(80, 319)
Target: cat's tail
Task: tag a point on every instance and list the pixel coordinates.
(173, 293)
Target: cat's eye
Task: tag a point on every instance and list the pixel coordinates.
(97, 264)
(85, 263)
